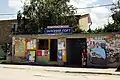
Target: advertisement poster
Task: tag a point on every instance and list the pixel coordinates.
(61, 51)
(61, 44)
(60, 54)
(31, 44)
(32, 56)
(20, 47)
(39, 52)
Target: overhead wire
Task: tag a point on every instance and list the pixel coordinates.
(6, 14)
(75, 8)
(97, 6)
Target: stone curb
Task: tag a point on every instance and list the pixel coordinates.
(14, 67)
(83, 72)
(21, 68)
(93, 73)
(77, 72)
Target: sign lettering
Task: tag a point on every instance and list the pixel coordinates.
(58, 30)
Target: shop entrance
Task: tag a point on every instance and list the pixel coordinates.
(74, 51)
(53, 50)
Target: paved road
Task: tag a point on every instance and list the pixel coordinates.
(17, 74)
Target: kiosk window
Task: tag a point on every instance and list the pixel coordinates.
(43, 44)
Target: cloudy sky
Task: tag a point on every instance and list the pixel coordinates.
(99, 16)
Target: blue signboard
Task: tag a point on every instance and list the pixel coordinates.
(58, 31)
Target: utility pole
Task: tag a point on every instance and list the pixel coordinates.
(118, 68)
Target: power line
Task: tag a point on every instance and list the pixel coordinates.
(77, 8)
(96, 6)
(7, 14)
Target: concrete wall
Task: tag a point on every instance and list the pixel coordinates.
(5, 30)
(107, 52)
(83, 23)
(2, 53)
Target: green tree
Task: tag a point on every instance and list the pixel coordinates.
(39, 14)
(115, 26)
(78, 30)
(116, 12)
(100, 30)
(112, 27)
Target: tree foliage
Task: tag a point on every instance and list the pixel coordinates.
(39, 14)
(115, 26)
(112, 27)
(116, 12)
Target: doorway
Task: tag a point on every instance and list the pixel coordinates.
(53, 50)
(74, 51)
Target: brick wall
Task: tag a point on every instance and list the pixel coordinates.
(5, 30)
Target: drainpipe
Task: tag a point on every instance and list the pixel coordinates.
(90, 25)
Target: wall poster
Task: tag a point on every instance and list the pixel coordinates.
(32, 56)
(19, 47)
(61, 51)
(31, 44)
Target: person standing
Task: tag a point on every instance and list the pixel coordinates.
(84, 58)
(27, 55)
(118, 67)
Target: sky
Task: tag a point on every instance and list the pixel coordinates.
(99, 16)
